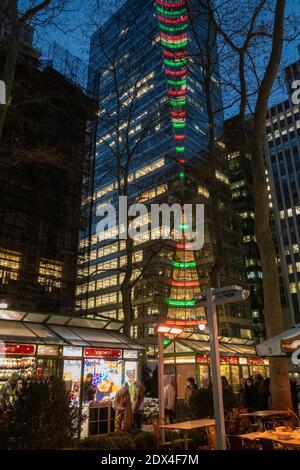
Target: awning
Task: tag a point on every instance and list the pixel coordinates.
(287, 341)
(228, 349)
(62, 330)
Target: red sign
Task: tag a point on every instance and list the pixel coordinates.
(103, 353)
(233, 360)
(17, 349)
(204, 359)
(201, 359)
(253, 361)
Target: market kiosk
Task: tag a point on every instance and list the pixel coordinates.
(41, 346)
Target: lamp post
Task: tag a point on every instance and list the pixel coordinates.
(210, 298)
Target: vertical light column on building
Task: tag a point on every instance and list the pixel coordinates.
(173, 24)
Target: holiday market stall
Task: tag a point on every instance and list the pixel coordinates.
(40, 346)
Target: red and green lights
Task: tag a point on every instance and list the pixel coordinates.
(173, 23)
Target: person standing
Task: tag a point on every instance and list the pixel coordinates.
(88, 388)
(9, 391)
(191, 388)
(123, 409)
(138, 405)
(169, 398)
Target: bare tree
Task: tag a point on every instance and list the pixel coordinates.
(257, 45)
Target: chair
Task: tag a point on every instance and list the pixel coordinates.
(235, 442)
(173, 444)
(239, 443)
(268, 444)
(212, 437)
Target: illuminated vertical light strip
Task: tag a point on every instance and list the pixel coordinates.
(173, 24)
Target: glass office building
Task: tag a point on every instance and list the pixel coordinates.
(151, 145)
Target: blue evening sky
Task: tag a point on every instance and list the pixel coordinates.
(75, 27)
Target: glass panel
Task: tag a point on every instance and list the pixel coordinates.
(131, 371)
(95, 335)
(35, 317)
(58, 320)
(11, 329)
(8, 315)
(69, 335)
(104, 380)
(71, 376)
(114, 326)
(44, 333)
(85, 322)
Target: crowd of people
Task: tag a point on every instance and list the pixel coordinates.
(255, 395)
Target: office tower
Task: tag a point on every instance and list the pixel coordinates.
(239, 167)
(152, 145)
(41, 157)
(282, 152)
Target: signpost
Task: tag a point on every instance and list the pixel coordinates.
(210, 298)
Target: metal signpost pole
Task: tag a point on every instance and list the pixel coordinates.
(161, 383)
(215, 364)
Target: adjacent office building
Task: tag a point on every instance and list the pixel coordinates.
(41, 158)
(282, 151)
(152, 145)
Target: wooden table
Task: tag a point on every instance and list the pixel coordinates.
(186, 426)
(295, 441)
(263, 414)
(267, 413)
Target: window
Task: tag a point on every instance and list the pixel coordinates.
(9, 265)
(203, 191)
(50, 274)
(246, 334)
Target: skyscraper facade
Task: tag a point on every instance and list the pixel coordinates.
(152, 146)
(282, 152)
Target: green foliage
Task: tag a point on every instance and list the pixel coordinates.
(139, 440)
(41, 418)
(145, 441)
(123, 441)
(104, 442)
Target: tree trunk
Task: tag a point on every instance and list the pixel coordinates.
(280, 384)
(126, 288)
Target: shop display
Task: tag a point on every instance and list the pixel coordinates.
(71, 376)
(25, 367)
(107, 377)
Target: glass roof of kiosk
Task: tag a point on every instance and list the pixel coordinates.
(202, 347)
(41, 328)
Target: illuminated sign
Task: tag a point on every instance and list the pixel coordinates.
(72, 351)
(17, 349)
(127, 354)
(44, 350)
(254, 361)
(103, 353)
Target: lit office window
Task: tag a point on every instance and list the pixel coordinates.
(9, 265)
(50, 274)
